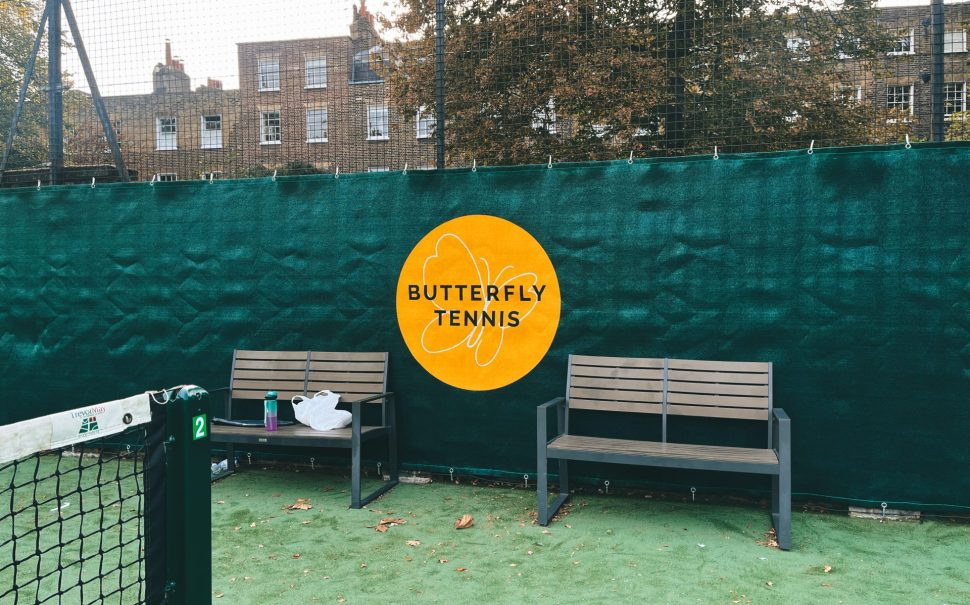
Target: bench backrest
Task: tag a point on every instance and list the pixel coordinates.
(291, 373)
(714, 389)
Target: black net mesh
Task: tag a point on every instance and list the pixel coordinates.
(239, 88)
(72, 525)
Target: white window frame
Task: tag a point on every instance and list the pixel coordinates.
(901, 35)
(166, 141)
(909, 89)
(545, 118)
(424, 123)
(264, 78)
(378, 169)
(214, 140)
(377, 127)
(326, 125)
(850, 93)
(798, 46)
(167, 177)
(962, 88)
(268, 133)
(314, 76)
(957, 42)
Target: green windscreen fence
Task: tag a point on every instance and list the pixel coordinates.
(848, 269)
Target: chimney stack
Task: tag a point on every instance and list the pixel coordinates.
(214, 84)
(168, 51)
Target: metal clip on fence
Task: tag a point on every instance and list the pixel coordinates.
(630, 161)
(715, 153)
(474, 165)
(405, 171)
(549, 165)
(908, 145)
(274, 176)
(811, 147)
(336, 173)
(92, 182)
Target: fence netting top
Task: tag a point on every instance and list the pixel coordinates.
(239, 88)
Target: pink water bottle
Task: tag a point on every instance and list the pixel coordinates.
(269, 411)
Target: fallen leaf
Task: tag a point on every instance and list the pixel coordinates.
(568, 526)
(220, 501)
(465, 522)
(770, 583)
(528, 552)
(546, 532)
(827, 568)
(219, 595)
(379, 527)
(826, 585)
(363, 565)
(253, 524)
(296, 555)
(409, 558)
(442, 560)
(413, 542)
(461, 569)
(301, 504)
(386, 523)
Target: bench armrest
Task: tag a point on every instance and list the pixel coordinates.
(387, 410)
(781, 434)
(541, 412)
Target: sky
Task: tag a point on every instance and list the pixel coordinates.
(126, 38)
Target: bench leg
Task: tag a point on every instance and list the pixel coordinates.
(231, 457)
(781, 506)
(545, 511)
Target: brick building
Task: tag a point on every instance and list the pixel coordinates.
(313, 105)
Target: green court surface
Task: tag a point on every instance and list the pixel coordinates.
(606, 549)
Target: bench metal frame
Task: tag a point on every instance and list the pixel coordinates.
(352, 437)
(779, 467)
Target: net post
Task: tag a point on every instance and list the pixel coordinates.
(189, 538)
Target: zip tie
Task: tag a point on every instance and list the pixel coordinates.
(549, 165)
(811, 147)
(274, 176)
(908, 145)
(630, 161)
(474, 166)
(405, 168)
(92, 182)
(715, 153)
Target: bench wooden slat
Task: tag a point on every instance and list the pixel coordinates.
(717, 400)
(612, 372)
(348, 391)
(753, 390)
(282, 394)
(241, 354)
(617, 362)
(270, 374)
(615, 395)
(271, 364)
(346, 356)
(369, 377)
(346, 366)
(718, 366)
(615, 406)
(719, 377)
(616, 383)
(267, 385)
(713, 412)
(657, 448)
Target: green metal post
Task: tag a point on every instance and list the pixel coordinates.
(189, 508)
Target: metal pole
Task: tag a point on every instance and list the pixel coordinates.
(439, 79)
(936, 80)
(28, 76)
(102, 111)
(55, 95)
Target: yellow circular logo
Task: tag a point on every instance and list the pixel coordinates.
(478, 302)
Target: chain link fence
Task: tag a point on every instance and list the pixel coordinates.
(239, 88)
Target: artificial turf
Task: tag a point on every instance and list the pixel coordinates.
(620, 548)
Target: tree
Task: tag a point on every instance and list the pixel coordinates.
(19, 22)
(594, 79)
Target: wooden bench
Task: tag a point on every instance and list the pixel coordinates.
(669, 387)
(360, 378)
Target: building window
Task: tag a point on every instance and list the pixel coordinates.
(166, 133)
(544, 118)
(212, 176)
(424, 123)
(848, 93)
(316, 125)
(269, 73)
(316, 72)
(270, 132)
(954, 98)
(903, 43)
(378, 169)
(377, 123)
(211, 132)
(368, 65)
(798, 46)
(900, 98)
(955, 42)
(167, 177)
